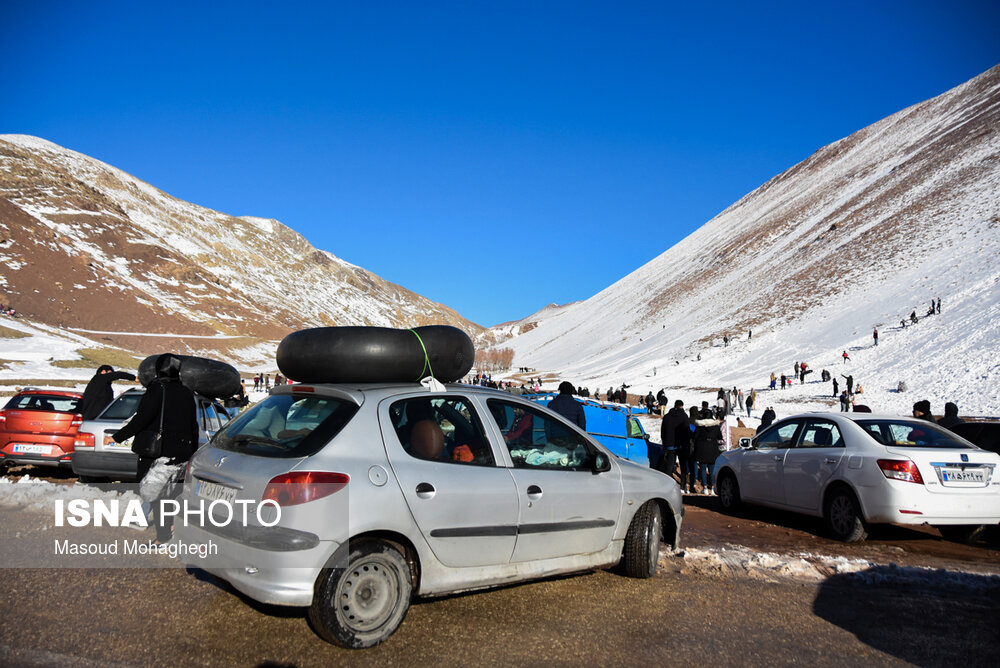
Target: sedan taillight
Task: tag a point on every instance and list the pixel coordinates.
(3, 419)
(900, 469)
(83, 440)
(291, 489)
(77, 421)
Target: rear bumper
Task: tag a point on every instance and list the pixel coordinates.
(37, 460)
(916, 505)
(109, 464)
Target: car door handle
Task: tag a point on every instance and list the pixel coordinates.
(534, 492)
(425, 490)
(829, 460)
(778, 458)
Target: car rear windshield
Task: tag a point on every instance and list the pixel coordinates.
(912, 434)
(123, 407)
(43, 402)
(288, 425)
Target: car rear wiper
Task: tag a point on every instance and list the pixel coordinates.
(259, 440)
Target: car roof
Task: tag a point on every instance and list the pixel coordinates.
(853, 417)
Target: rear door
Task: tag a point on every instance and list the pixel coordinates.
(463, 503)
(808, 466)
(761, 467)
(564, 507)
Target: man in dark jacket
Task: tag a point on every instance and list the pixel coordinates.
(675, 433)
(922, 410)
(568, 407)
(99, 393)
(950, 418)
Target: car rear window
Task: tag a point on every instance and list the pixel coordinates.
(912, 434)
(123, 407)
(43, 402)
(287, 425)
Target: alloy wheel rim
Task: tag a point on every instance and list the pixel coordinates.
(842, 514)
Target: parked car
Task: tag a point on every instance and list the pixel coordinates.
(39, 427)
(449, 491)
(98, 456)
(856, 469)
(986, 435)
(614, 427)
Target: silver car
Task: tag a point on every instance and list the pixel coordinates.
(389, 491)
(96, 455)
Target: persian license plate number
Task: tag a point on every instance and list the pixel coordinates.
(31, 449)
(959, 475)
(214, 491)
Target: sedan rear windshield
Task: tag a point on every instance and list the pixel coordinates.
(43, 402)
(123, 407)
(287, 425)
(912, 434)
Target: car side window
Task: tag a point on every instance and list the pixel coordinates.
(443, 429)
(537, 440)
(781, 436)
(820, 434)
(634, 428)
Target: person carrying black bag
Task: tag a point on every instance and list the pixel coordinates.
(167, 408)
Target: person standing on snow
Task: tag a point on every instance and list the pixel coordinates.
(568, 407)
(950, 418)
(835, 386)
(845, 402)
(875, 335)
(850, 383)
(938, 308)
(99, 392)
(749, 402)
(675, 433)
(845, 356)
(708, 443)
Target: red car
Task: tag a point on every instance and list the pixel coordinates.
(39, 427)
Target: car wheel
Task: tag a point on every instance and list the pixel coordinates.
(364, 603)
(642, 542)
(961, 533)
(843, 516)
(728, 490)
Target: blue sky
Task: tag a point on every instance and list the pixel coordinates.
(495, 157)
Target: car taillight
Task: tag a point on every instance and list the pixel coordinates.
(900, 469)
(83, 440)
(3, 418)
(291, 489)
(77, 421)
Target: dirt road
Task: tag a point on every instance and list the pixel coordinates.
(760, 589)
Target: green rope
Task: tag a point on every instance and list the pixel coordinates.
(427, 359)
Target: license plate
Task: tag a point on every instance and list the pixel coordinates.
(124, 445)
(214, 491)
(976, 475)
(31, 449)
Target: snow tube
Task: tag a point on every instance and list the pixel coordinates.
(207, 377)
(375, 354)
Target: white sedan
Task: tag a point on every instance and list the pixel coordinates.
(854, 469)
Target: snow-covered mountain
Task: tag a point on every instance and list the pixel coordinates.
(859, 235)
(84, 245)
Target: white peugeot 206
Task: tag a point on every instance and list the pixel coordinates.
(856, 469)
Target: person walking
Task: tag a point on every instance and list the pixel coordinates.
(783, 378)
(675, 433)
(749, 402)
(875, 335)
(846, 357)
(167, 407)
(797, 371)
(99, 392)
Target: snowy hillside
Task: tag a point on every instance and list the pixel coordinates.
(857, 236)
(85, 245)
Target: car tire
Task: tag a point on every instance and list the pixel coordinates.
(364, 603)
(843, 516)
(642, 542)
(728, 490)
(961, 533)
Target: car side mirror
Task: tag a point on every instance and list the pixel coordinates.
(645, 437)
(745, 443)
(601, 463)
